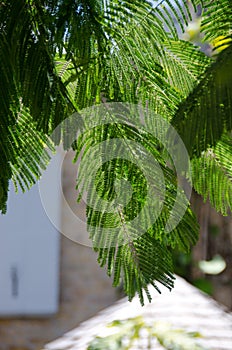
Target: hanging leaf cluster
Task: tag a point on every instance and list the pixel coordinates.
(61, 57)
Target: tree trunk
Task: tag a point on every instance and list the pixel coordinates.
(215, 239)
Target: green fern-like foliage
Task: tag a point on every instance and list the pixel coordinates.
(211, 175)
(32, 95)
(60, 57)
(217, 19)
(203, 119)
(205, 115)
(128, 225)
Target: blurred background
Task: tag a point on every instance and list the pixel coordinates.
(49, 283)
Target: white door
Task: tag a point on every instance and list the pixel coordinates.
(29, 253)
